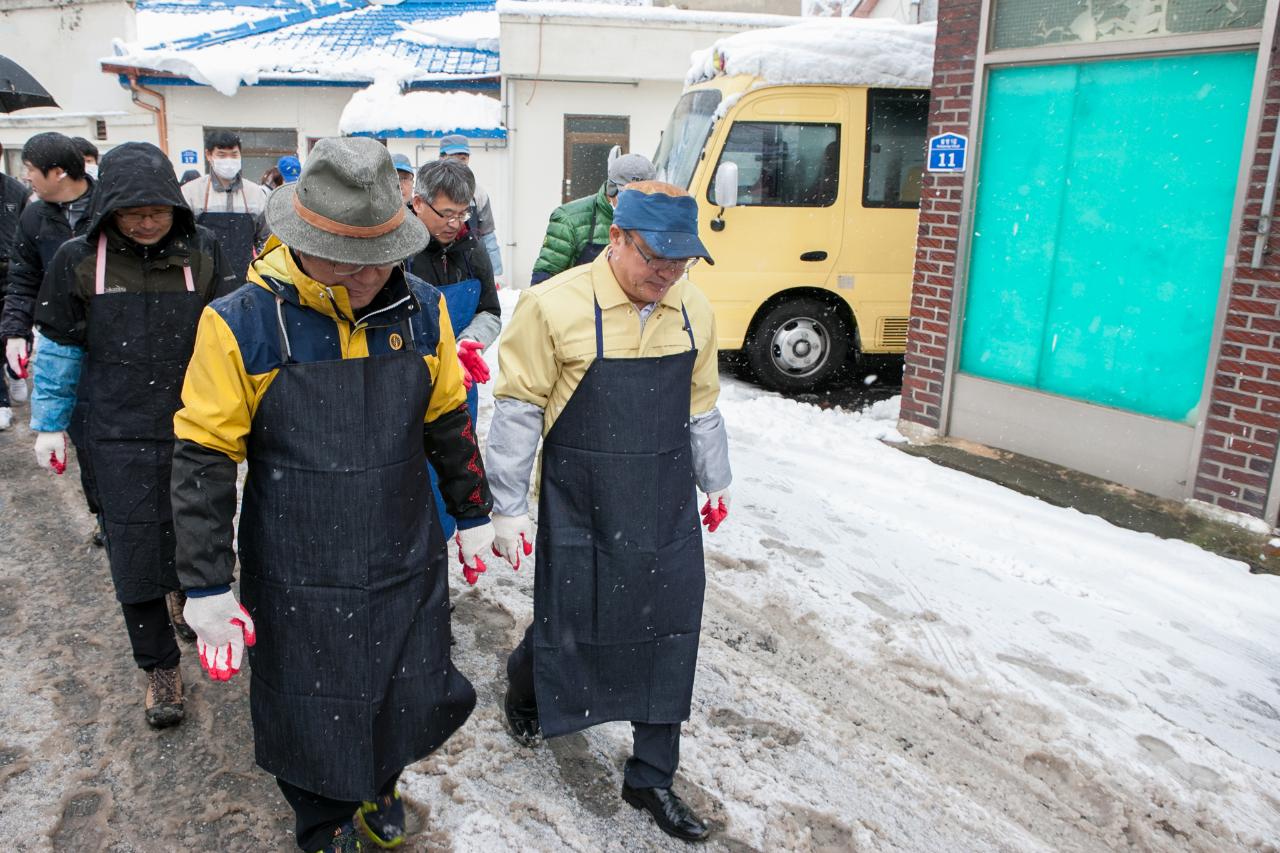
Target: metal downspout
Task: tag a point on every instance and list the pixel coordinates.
(161, 114)
(1268, 204)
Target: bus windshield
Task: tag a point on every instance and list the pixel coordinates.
(686, 133)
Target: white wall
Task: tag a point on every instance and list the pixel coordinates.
(553, 66)
(60, 44)
(535, 126)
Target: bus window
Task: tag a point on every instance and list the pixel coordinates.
(686, 133)
(783, 164)
(896, 126)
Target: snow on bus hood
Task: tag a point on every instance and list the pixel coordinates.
(836, 51)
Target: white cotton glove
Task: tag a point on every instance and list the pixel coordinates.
(472, 542)
(17, 355)
(716, 509)
(223, 628)
(51, 451)
(512, 534)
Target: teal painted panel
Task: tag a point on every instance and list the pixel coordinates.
(1103, 210)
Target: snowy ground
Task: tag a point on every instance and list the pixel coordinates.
(895, 656)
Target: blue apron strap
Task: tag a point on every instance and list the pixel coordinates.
(688, 327)
(599, 328)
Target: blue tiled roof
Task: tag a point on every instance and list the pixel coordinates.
(342, 31)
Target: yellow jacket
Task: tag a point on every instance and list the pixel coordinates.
(239, 346)
(551, 338)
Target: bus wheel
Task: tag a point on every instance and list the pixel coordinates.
(798, 345)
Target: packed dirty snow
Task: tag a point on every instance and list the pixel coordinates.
(895, 656)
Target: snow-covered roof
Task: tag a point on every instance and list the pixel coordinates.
(347, 42)
(840, 51)
(638, 12)
(383, 111)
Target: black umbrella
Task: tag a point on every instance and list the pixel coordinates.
(19, 90)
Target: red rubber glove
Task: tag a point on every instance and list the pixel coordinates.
(715, 510)
(223, 630)
(471, 354)
(511, 535)
(51, 451)
(471, 542)
(18, 356)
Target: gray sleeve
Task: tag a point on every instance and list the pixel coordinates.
(710, 451)
(484, 213)
(483, 328)
(510, 450)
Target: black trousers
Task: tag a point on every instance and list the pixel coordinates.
(317, 816)
(655, 747)
(151, 634)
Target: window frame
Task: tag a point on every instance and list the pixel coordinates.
(872, 95)
(835, 197)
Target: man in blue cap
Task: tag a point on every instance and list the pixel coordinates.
(405, 171)
(613, 366)
(456, 147)
(290, 167)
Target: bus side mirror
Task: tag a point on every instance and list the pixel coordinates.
(726, 191)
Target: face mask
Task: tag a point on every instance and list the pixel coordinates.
(91, 169)
(226, 168)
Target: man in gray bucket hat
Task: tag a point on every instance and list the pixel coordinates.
(335, 375)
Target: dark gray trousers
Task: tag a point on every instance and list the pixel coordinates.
(655, 748)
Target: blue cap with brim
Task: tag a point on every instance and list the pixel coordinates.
(402, 163)
(454, 143)
(289, 167)
(668, 224)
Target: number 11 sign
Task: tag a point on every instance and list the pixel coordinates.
(947, 152)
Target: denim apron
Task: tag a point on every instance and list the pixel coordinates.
(461, 299)
(235, 232)
(136, 357)
(617, 604)
(344, 570)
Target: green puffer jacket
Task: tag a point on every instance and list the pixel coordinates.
(572, 230)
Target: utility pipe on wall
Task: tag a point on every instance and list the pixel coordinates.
(162, 117)
(1268, 204)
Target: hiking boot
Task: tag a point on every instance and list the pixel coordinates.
(164, 698)
(383, 820)
(345, 840)
(175, 602)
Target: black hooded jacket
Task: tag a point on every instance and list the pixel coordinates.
(13, 199)
(136, 174)
(42, 229)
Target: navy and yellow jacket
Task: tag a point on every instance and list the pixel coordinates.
(238, 352)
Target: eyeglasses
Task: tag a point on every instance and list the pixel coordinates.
(675, 266)
(135, 219)
(356, 270)
(459, 218)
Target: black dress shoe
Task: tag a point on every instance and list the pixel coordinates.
(522, 723)
(673, 815)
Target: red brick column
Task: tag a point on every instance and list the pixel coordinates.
(933, 286)
(1242, 424)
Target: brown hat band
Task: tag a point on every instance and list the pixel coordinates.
(341, 229)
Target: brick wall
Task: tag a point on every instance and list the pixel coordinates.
(1242, 426)
(940, 204)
